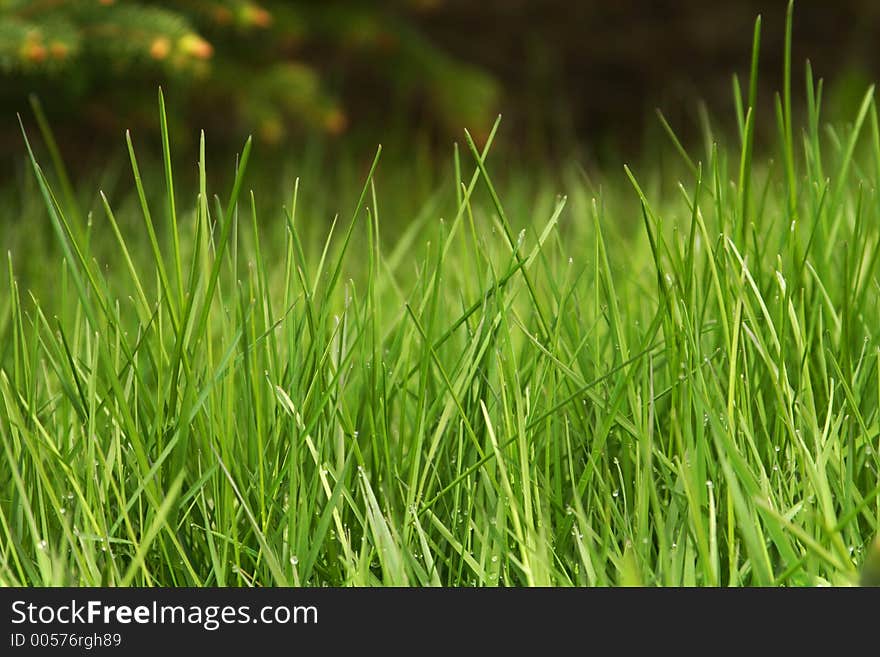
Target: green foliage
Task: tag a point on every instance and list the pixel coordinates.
(528, 392)
(270, 66)
(524, 394)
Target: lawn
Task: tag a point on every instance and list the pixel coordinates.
(662, 377)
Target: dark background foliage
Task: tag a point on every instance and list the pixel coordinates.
(562, 72)
(594, 68)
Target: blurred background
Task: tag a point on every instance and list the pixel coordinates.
(569, 77)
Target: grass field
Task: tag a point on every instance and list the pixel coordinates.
(671, 380)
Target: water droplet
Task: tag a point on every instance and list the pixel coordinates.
(42, 545)
(294, 560)
(615, 493)
(709, 484)
(62, 510)
(495, 558)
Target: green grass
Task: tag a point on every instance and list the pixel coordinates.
(658, 383)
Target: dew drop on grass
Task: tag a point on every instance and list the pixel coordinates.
(615, 493)
(495, 558)
(709, 484)
(42, 545)
(294, 560)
